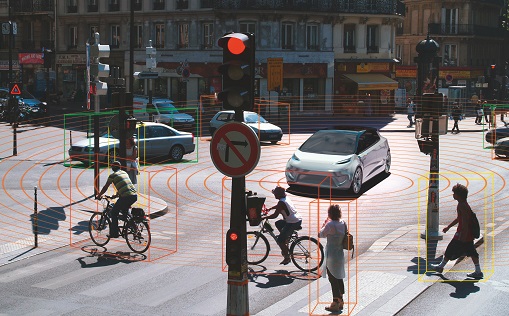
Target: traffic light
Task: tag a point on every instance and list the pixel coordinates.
(48, 58)
(130, 126)
(431, 105)
(233, 247)
(97, 69)
(254, 209)
(493, 71)
(238, 70)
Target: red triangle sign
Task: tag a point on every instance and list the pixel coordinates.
(15, 90)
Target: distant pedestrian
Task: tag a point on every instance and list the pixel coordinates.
(456, 116)
(487, 113)
(463, 242)
(478, 112)
(334, 228)
(410, 112)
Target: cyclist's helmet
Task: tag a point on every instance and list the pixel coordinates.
(279, 192)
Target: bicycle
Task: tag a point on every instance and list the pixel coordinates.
(134, 230)
(305, 251)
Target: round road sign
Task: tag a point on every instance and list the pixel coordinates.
(235, 149)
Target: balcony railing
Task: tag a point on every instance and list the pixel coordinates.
(288, 46)
(113, 7)
(465, 29)
(158, 6)
(182, 4)
(385, 7)
(72, 9)
(93, 8)
(372, 49)
(29, 6)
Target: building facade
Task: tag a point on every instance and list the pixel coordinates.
(332, 50)
(470, 37)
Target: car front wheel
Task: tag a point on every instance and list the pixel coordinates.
(357, 181)
(176, 153)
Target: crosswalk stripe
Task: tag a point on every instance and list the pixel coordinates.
(186, 284)
(35, 268)
(128, 281)
(75, 276)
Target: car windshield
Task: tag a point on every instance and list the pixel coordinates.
(166, 108)
(333, 142)
(253, 118)
(26, 95)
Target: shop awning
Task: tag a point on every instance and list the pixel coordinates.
(373, 81)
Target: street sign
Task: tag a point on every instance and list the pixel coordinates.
(275, 74)
(15, 88)
(235, 149)
(147, 75)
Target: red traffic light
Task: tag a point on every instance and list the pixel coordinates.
(235, 43)
(493, 66)
(233, 236)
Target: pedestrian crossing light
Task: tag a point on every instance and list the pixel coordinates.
(233, 247)
(99, 70)
(237, 70)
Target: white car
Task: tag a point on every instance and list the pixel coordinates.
(153, 140)
(264, 130)
(340, 158)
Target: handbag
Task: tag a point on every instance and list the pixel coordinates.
(348, 241)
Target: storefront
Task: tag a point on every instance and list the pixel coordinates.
(364, 87)
(72, 76)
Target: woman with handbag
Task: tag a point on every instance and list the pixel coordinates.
(131, 153)
(334, 229)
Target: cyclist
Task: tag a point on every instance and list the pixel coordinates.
(126, 192)
(290, 222)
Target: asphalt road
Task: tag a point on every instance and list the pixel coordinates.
(184, 272)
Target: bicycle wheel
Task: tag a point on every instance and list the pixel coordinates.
(306, 253)
(99, 228)
(138, 236)
(257, 247)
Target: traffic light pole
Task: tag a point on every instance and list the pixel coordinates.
(97, 110)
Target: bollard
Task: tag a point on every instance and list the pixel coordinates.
(35, 218)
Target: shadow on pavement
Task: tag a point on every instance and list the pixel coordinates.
(47, 220)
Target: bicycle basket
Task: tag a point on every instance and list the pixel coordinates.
(138, 214)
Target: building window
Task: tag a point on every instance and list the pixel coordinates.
(398, 52)
(287, 36)
(372, 38)
(73, 37)
(371, 5)
(450, 55)
(247, 27)
(450, 21)
(207, 4)
(138, 35)
(183, 35)
(138, 4)
(113, 6)
(72, 6)
(93, 30)
(182, 4)
(115, 36)
(159, 35)
(312, 37)
(349, 38)
(158, 5)
(92, 6)
(208, 35)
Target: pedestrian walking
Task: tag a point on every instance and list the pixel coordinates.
(487, 113)
(410, 112)
(132, 161)
(456, 116)
(334, 229)
(462, 243)
(479, 112)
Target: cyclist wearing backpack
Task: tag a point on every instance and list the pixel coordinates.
(290, 222)
(126, 192)
(462, 243)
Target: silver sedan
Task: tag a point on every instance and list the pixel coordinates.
(341, 158)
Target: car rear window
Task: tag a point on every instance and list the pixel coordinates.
(331, 143)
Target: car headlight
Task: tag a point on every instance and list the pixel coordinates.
(341, 162)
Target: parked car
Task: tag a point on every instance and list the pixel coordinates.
(502, 147)
(493, 134)
(162, 111)
(340, 158)
(265, 130)
(153, 140)
(34, 107)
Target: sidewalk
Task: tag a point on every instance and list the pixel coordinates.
(51, 239)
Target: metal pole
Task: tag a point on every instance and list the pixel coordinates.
(96, 144)
(13, 108)
(132, 39)
(36, 242)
